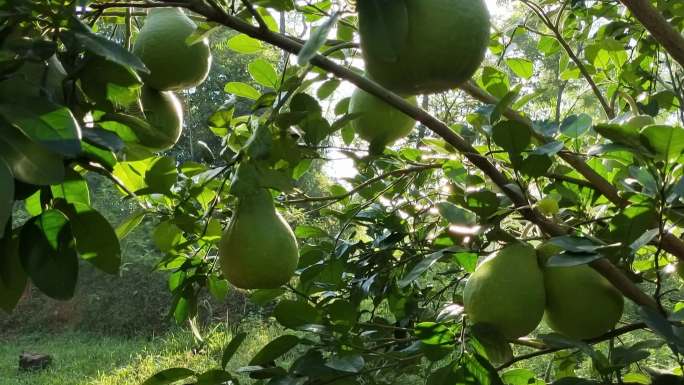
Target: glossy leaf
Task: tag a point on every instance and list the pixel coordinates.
(48, 254)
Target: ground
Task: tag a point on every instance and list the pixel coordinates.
(90, 359)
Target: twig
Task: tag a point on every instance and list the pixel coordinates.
(250, 8)
(162, 4)
(365, 184)
(549, 350)
(671, 243)
(571, 54)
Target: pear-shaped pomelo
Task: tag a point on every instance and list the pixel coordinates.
(378, 123)
(580, 302)
(444, 43)
(506, 291)
(162, 45)
(258, 249)
(164, 113)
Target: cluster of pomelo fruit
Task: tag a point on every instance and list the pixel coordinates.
(174, 62)
(513, 289)
(415, 47)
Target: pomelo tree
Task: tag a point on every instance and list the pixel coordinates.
(567, 138)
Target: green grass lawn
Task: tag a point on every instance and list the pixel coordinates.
(86, 359)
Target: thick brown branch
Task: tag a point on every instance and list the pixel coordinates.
(658, 26)
(438, 127)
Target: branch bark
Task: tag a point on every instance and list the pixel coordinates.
(216, 14)
(671, 39)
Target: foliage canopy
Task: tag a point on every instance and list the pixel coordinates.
(580, 102)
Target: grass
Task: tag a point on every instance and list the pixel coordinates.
(88, 359)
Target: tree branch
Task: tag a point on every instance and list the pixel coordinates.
(658, 26)
(250, 8)
(571, 54)
(365, 184)
(612, 334)
(670, 243)
(215, 14)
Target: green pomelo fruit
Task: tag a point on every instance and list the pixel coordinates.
(378, 123)
(445, 44)
(100, 79)
(162, 46)
(580, 302)
(258, 249)
(506, 291)
(35, 79)
(548, 206)
(164, 115)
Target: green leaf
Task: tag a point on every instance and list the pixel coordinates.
(521, 67)
(242, 89)
(350, 363)
(305, 231)
(327, 88)
(293, 314)
(620, 133)
(96, 240)
(520, 377)
(169, 376)
(274, 350)
(217, 287)
(423, 266)
(130, 224)
(456, 215)
(481, 369)
(316, 40)
(232, 347)
(167, 235)
(30, 162)
(161, 176)
(104, 47)
(432, 333)
(575, 125)
(214, 377)
(46, 123)
(495, 81)
(6, 195)
(48, 254)
(12, 276)
(74, 189)
(666, 141)
(263, 73)
(244, 44)
(512, 136)
(494, 343)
